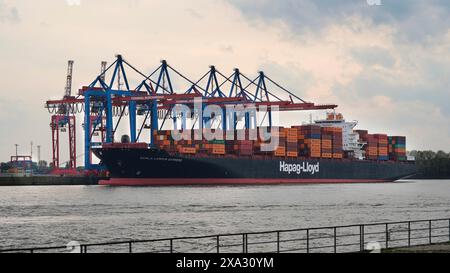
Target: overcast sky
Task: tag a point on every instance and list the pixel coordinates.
(386, 65)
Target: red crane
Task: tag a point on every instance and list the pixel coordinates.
(62, 121)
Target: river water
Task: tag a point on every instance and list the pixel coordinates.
(55, 215)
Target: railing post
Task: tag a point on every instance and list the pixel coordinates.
(243, 242)
(361, 237)
(335, 240)
(449, 230)
(171, 245)
(409, 233)
(429, 232)
(217, 243)
(246, 243)
(278, 242)
(387, 235)
(130, 250)
(307, 241)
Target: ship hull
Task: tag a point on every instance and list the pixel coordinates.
(140, 167)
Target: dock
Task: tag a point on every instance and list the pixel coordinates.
(48, 180)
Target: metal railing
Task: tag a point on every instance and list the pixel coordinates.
(333, 239)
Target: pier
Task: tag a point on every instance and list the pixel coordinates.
(48, 180)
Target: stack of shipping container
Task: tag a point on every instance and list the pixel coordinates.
(337, 143)
(311, 144)
(291, 142)
(397, 148)
(163, 140)
(244, 147)
(371, 147)
(281, 134)
(382, 146)
(311, 141)
(362, 134)
(217, 147)
(327, 142)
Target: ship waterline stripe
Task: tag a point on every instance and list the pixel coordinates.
(228, 181)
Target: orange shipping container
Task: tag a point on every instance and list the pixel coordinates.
(312, 141)
(166, 142)
(326, 144)
(218, 151)
(188, 150)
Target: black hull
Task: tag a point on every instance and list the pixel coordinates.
(156, 167)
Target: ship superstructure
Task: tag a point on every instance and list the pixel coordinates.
(351, 142)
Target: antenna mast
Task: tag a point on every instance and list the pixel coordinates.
(102, 71)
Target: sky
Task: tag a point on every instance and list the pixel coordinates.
(386, 63)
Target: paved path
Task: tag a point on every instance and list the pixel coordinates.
(434, 248)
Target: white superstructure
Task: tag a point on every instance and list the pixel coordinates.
(350, 139)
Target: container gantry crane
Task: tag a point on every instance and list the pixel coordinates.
(63, 120)
(105, 101)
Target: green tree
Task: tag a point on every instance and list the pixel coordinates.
(432, 164)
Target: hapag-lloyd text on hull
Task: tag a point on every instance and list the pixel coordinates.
(304, 167)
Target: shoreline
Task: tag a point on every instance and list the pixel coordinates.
(53, 180)
(48, 180)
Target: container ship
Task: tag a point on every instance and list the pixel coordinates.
(323, 151)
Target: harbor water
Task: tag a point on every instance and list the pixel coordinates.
(54, 215)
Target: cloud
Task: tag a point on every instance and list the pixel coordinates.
(416, 20)
(404, 72)
(293, 77)
(372, 56)
(8, 14)
(386, 65)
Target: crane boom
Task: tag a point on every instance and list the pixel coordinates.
(68, 90)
